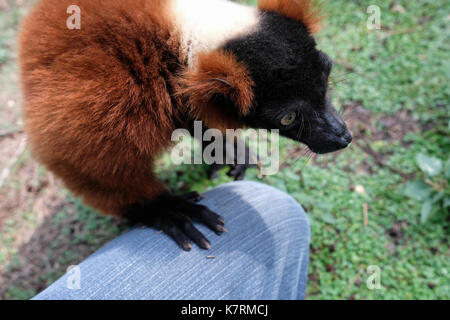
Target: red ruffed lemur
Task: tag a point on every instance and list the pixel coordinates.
(101, 102)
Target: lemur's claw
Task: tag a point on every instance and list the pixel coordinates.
(193, 196)
(174, 215)
(238, 171)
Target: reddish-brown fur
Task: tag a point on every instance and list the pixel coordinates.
(218, 72)
(101, 102)
(306, 11)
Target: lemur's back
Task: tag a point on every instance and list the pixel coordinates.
(99, 100)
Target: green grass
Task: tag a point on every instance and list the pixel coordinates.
(404, 66)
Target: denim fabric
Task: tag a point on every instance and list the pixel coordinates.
(264, 255)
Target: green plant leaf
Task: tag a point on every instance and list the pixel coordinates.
(447, 202)
(447, 169)
(429, 165)
(437, 197)
(427, 206)
(417, 190)
(329, 218)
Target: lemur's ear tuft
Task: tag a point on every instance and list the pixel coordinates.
(219, 90)
(306, 11)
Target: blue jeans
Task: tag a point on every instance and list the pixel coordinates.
(264, 255)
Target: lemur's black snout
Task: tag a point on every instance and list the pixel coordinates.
(342, 141)
(334, 143)
(329, 133)
(337, 128)
(334, 122)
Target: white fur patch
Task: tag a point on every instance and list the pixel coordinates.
(206, 24)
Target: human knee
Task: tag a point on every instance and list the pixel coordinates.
(274, 206)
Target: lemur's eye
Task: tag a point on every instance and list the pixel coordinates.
(288, 119)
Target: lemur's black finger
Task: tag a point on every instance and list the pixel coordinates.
(185, 224)
(209, 218)
(172, 230)
(213, 171)
(172, 214)
(238, 172)
(193, 196)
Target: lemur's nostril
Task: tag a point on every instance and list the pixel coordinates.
(348, 137)
(342, 132)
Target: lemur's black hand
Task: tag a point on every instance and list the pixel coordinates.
(237, 171)
(174, 214)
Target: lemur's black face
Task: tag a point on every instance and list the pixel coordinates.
(291, 84)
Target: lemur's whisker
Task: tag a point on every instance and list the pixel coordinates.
(310, 128)
(300, 130)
